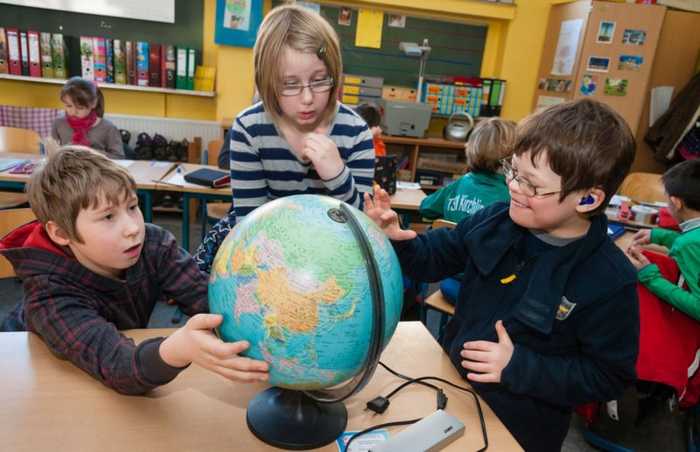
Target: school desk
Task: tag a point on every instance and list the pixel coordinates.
(50, 404)
(145, 174)
(407, 199)
(175, 181)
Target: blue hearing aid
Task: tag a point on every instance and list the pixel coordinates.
(587, 200)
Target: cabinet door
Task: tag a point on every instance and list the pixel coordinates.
(617, 56)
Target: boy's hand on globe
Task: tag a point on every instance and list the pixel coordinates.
(642, 237)
(324, 155)
(196, 343)
(378, 208)
(485, 359)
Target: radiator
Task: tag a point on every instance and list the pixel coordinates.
(171, 129)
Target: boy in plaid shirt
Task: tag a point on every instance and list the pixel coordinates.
(91, 267)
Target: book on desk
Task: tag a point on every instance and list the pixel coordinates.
(208, 177)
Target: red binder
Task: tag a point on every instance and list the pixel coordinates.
(154, 63)
(34, 54)
(24, 52)
(13, 53)
(4, 69)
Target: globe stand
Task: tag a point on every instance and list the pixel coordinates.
(292, 420)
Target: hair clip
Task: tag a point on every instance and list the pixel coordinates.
(321, 51)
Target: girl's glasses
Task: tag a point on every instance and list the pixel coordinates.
(316, 86)
(526, 187)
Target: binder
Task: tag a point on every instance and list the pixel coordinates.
(13, 53)
(87, 58)
(34, 54)
(119, 62)
(181, 80)
(45, 55)
(167, 61)
(58, 55)
(109, 60)
(4, 67)
(142, 63)
(131, 62)
(209, 178)
(191, 58)
(24, 52)
(100, 52)
(154, 63)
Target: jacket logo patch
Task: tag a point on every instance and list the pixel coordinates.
(565, 309)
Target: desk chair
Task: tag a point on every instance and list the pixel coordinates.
(437, 300)
(643, 187)
(23, 141)
(214, 210)
(10, 219)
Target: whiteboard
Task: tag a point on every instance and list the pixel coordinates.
(155, 10)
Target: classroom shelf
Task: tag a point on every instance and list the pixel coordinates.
(102, 85)
(417, 146)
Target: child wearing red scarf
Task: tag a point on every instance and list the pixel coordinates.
(83, 122)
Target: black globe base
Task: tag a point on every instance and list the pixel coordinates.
(292, 420)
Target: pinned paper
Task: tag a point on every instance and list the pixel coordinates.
(369, 28)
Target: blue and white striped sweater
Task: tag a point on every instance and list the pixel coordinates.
(263, 168)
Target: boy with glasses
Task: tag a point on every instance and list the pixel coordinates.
(299, 139)
(547, 315)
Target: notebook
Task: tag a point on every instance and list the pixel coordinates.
(209, 178)
(8, 163)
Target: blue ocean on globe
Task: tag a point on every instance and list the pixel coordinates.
(292, 281)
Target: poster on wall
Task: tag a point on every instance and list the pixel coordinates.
(237, 22)
(630, 62)
(547, 101)
(345, 16)
(634, 37)
(567, 45)
(606, 31)
(616, 86)
(589, 83)
(598, 64)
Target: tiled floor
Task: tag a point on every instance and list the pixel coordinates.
(660, 430)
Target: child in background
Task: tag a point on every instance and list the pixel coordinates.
(299, 139)
(547, 316)
(490, 142)
(373, 117)
(91, 267)
(682, 185)
(83, 123)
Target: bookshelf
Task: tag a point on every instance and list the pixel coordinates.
(102, 85)
(418, 146)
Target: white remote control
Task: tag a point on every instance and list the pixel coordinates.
(431, 433)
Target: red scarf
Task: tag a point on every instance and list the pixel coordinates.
(80, 127)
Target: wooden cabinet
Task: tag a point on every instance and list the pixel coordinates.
(418, 147)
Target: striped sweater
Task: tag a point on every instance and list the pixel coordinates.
(264, 167)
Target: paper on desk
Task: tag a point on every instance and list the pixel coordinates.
(363, 443)
(403, 185)
(659, 101)
(160, 164)
(176, 179)
(124, 163)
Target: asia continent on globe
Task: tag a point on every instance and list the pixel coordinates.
(292, 280)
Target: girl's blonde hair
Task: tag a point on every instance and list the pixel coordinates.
(491, 141)
(301, 30)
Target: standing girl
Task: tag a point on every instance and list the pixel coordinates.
(299, 139)
(83, 122)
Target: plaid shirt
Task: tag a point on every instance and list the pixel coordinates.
(79, 313)
(38, 119)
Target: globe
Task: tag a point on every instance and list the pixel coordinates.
(292, 280)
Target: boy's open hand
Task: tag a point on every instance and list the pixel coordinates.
(486, 360)
(642, 237)
(323, 154)
(639, 260)
(196, 343)
(379, 210)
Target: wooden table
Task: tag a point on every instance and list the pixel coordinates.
(48, 404)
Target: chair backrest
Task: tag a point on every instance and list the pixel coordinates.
(643, 187)
(440, 223)
(9, 220)
(213, 151)
(13, 139)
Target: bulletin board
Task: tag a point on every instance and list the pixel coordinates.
(561, 53)
(457, 48)
(618, 56)
(186, 31)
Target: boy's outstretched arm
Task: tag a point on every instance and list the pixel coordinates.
(378, 208)
(196, 343)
